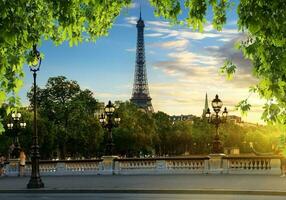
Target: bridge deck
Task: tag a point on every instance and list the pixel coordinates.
(153, 182)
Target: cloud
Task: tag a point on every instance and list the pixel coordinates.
(212, 48)
(164, 29)
(131, 49)
(131, 20)
(153, 35)
(197, 73)
(169, 31)
(158, 24)
(188, 97)
(176, 44)
(187, 64)
(224, 39)
(244, 76)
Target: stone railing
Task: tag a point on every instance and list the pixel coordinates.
(112, 165)
(251, 164)
(168, 165)
(61, 167)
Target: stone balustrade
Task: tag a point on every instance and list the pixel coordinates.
(251, 164)
(135, 166)
(112, 165)
(67, 167)
(166, 165)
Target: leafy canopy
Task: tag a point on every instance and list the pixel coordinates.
(68, 113)
(264, 22)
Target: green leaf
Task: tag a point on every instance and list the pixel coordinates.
(243, 106)
(228, 69)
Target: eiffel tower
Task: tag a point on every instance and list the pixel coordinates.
(140, 94)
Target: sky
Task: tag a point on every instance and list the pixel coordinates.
(182, 64)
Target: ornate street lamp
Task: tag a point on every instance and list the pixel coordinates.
(16, 125)
(109, 121)
(35, 180)
(216, 119)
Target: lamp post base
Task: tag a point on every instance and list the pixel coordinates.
(109, 148)
(35, 183)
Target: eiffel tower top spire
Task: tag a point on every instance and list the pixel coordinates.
(140, 94)
(140, 12)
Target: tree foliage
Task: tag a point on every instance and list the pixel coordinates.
(264, 23)
(139, 134)
(68, 113)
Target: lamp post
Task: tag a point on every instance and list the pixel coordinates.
(16, 125)
(35, 180)
(216, 119)
(109, 121)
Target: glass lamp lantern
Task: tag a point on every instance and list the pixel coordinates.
(23, 124)
(224, 113)
(208, 114)
(102, 119)
(10, 125)
(117, 119)
(217, 104)
(16, 116)
(109, 108)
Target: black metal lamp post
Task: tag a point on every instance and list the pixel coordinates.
(109, 121)
(16, 125)
(216, 119)
(35, 180)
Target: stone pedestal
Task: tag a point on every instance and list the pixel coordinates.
(60, 168)
(275, 166)
(216, 163)
(161, 167)
(108, 165)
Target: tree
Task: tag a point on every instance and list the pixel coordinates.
(68, 113)
(136, 132)
(25, 135)
(202, 136)
(163, 132)
(264, 23)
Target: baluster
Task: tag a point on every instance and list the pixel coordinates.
(257, 164)
(249, 164)
(262, 164)
(197, 164)
(267, 164)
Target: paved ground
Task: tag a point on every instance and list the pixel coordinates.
(166, 183)
(134, 197)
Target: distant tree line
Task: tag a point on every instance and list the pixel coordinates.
(67, 127)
